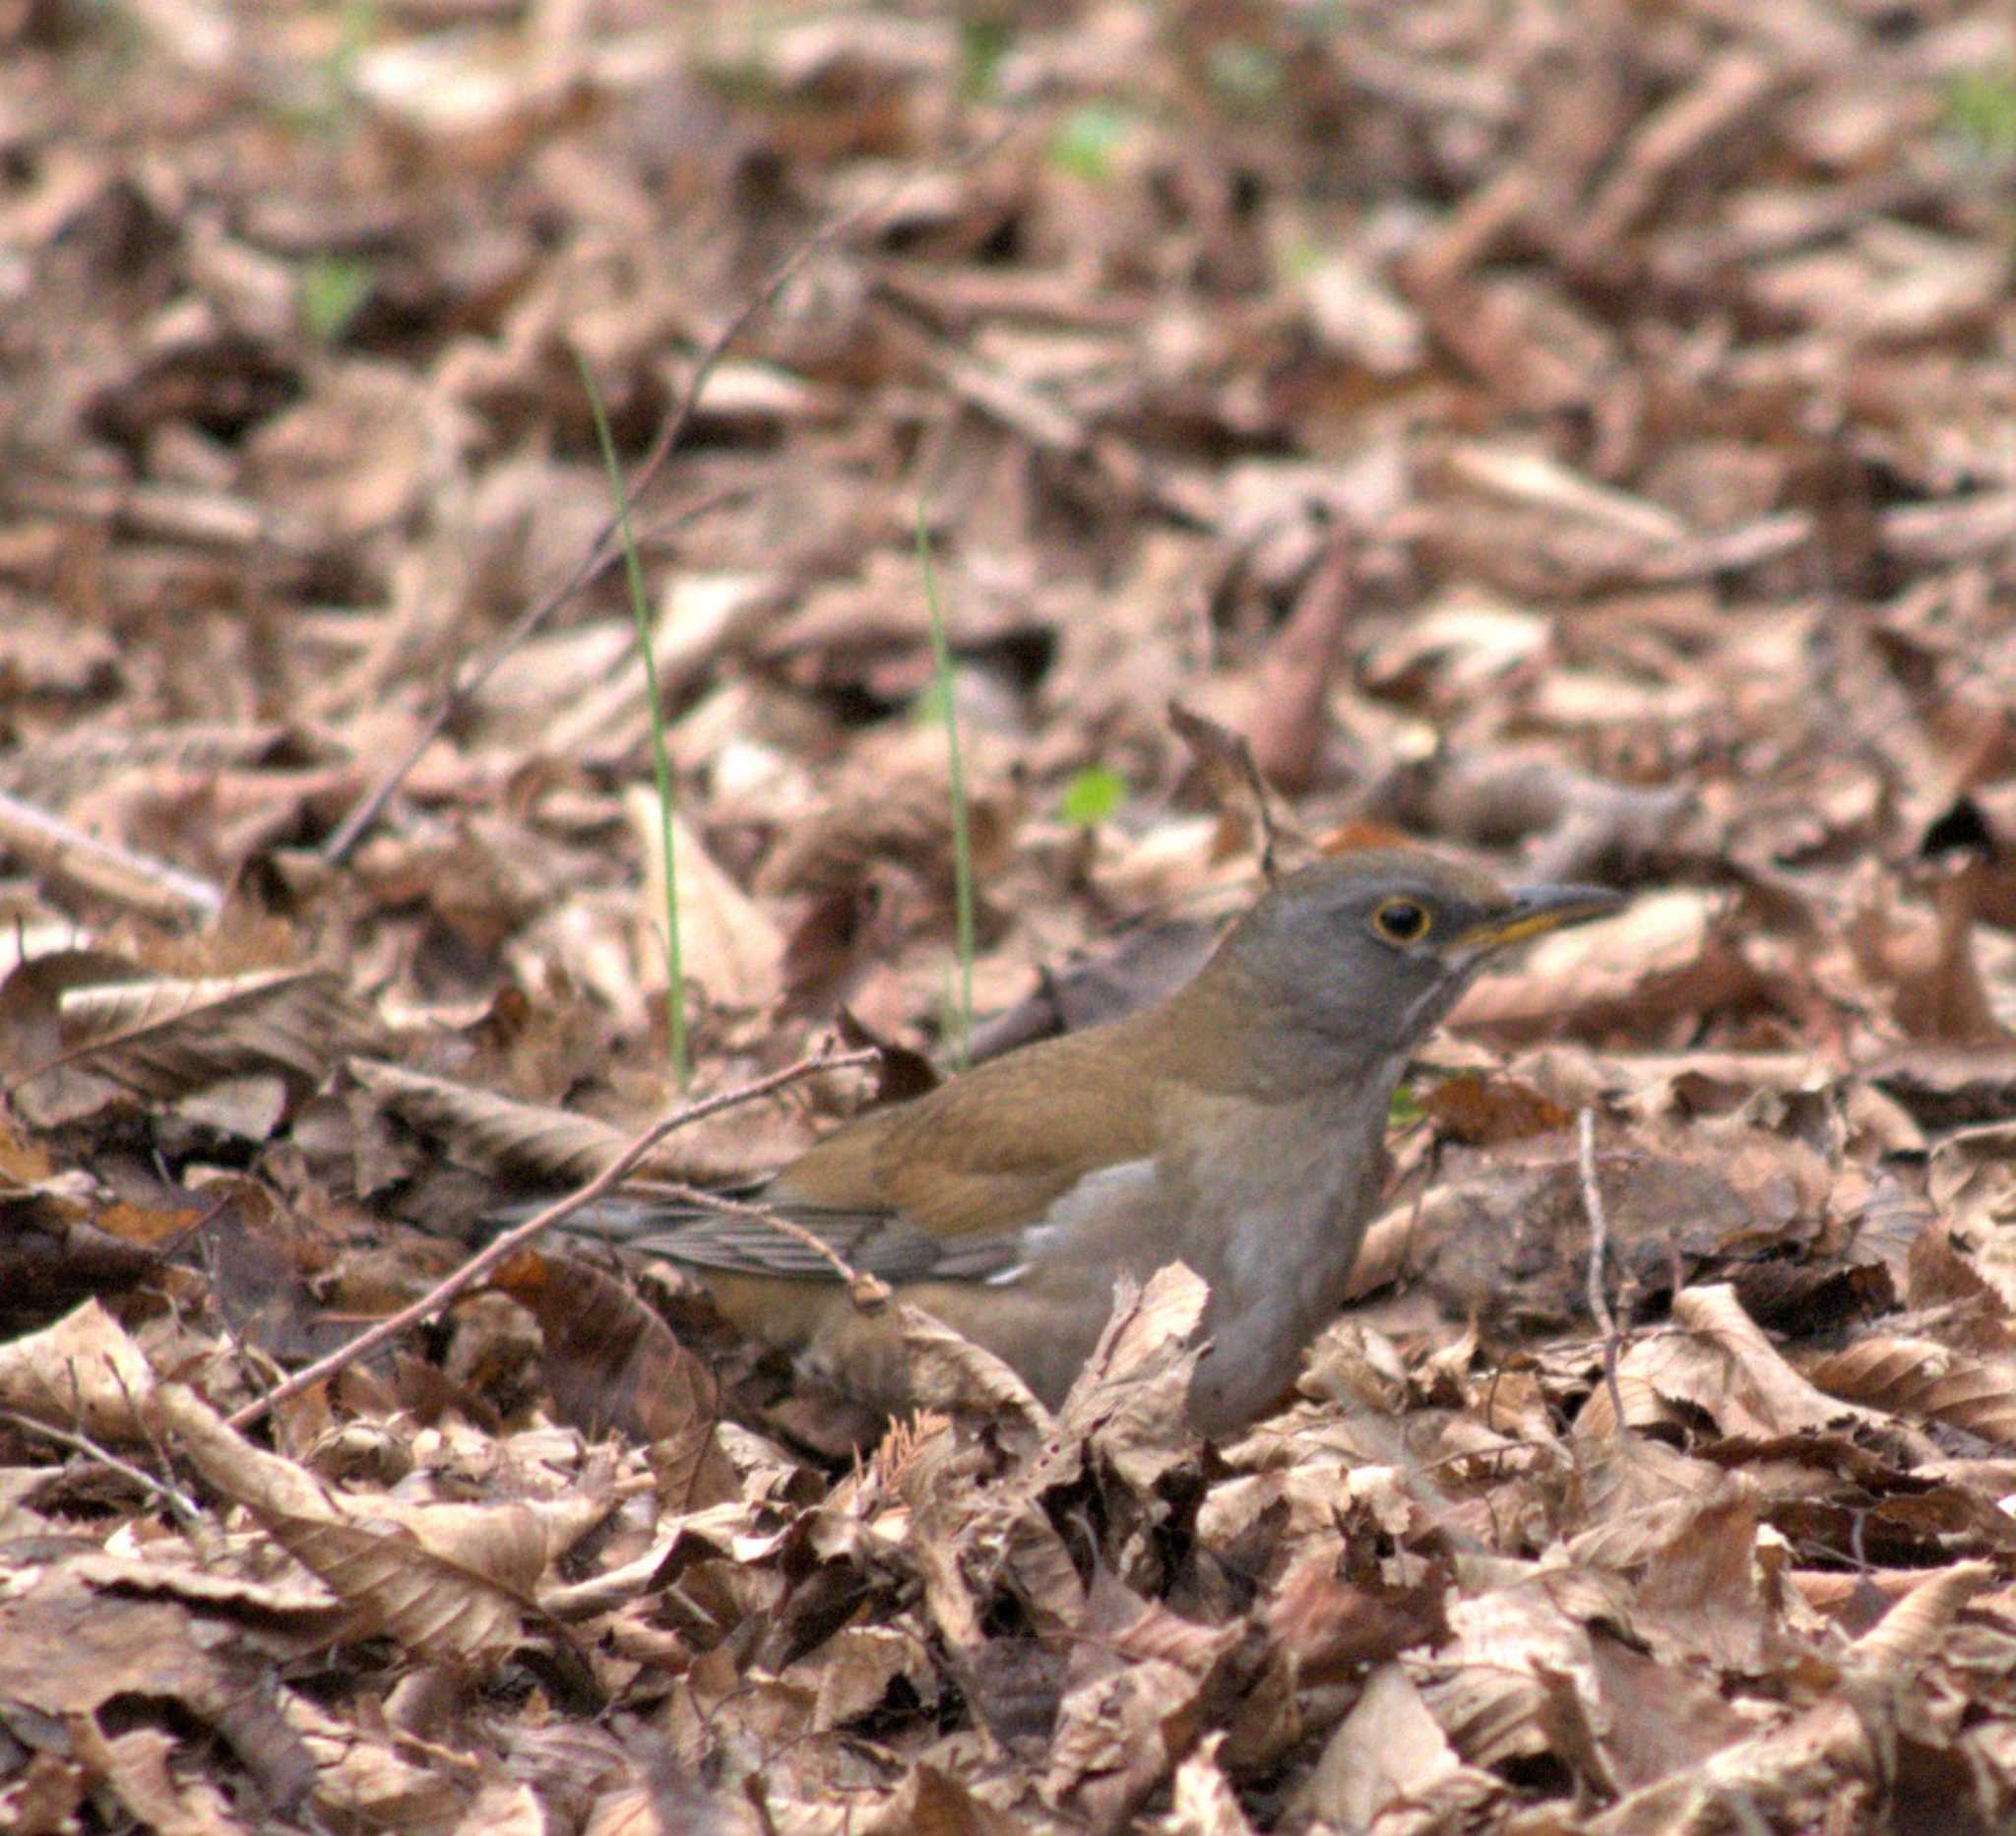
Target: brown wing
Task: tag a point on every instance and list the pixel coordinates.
(939, 1189)
(877, 1242)
(992, 1152)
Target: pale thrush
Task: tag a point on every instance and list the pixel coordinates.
(1237, 1126)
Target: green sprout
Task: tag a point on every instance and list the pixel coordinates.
(661, 757)
(962, 833)
(1093, 796)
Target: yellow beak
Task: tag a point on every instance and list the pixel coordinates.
(1537, 909)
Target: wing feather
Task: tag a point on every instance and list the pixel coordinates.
(874, 1243)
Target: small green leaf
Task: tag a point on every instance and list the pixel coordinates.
(1093, 796)
(1404, 1110)
(1981, 108)
(1248, 78)
(982, 44)
(332, 292)
(1087, 138)
(1301, 256)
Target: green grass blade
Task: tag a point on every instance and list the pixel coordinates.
(962, 832)
(661, 757)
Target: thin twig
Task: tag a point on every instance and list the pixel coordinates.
(487, 1258)
(1599, 1252)
(602, 554)
(140, 881)
(869, 1291)
(1263, 805)
(604, 550)
(184, 1508)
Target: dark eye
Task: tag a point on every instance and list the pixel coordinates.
(1402, 920)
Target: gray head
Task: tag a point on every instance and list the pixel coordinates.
(1372, 948)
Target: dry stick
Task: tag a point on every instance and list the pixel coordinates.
(486, 1259)
(604, 551)
(1264, 804)
(1209, 739)
(869, 1291)
(150, 886)
(184, 1508)
(1599, 1252)
(601, 555)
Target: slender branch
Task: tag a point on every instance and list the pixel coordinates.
(602, 552)
(1599, 1252)
(181, 1503)
(143, 882)
(869, 1291)
(513, 1240)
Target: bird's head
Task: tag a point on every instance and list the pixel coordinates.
(1373, 947)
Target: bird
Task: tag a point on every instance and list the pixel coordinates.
(1237, 1126)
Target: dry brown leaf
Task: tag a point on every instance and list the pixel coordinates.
(612, 1362)
(452, 1581)
(1699, 1601)
(72, 1023)
(1489, 1686)
(850, 1674)
(1130, 1707)
(135, 1766)
(1972, 1188)
(83, 1373)
(68, 1649)
(1389, 1753)
(1922, 1378)
(491, 1133)
(1332, 1625)
(1714, 1359)
(949, 1373)
(1131, 1391)
(1288, 715)
(728, 945)
(370, 1775)
(1202, 1801)
(1912, 1630)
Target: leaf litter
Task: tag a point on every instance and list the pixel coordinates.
(1578, 438)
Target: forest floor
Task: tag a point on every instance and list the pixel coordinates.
(1577, 436)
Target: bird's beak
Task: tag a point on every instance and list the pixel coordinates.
(1536, 910)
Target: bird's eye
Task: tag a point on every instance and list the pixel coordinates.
(1402, 920)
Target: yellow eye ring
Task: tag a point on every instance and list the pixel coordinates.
(1402, 920)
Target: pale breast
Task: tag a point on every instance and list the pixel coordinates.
(1274, 1234)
